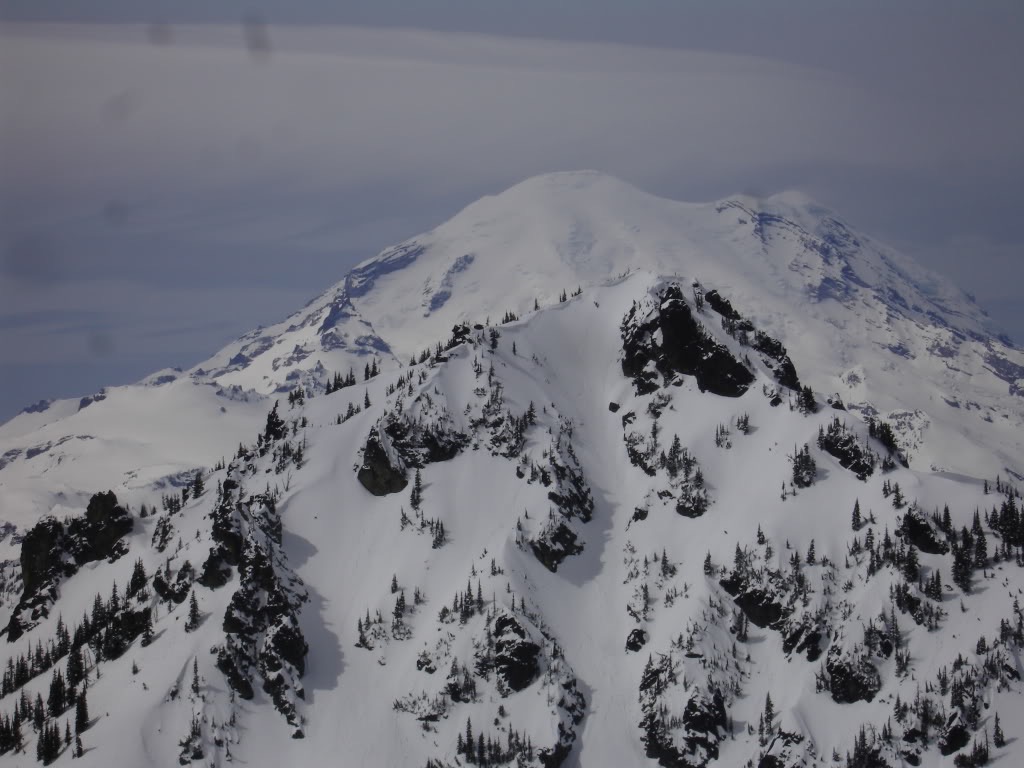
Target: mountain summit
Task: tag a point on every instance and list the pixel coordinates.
(863, 321)
(582, 476)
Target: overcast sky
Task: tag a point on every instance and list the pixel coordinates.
(173, 174)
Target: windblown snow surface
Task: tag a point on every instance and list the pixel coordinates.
(500, 526)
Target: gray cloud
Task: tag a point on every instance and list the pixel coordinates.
(208, 178)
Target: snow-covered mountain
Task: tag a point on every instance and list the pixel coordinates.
(581, 477)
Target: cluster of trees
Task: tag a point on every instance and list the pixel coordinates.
(465, 605)
(340, 382)
(804, 467)
(1008, 522)
(113, 624)
(894, 490)
(805, 401)
(43, 719)
(970, 551)
(486, 751)
(882, 431)
(337, 381)
(843, 444)
(172, 503)
(438, 534)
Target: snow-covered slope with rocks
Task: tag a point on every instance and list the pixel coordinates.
(623, 468)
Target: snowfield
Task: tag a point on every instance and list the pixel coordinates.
(572, 512)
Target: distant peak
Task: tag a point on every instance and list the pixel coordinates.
(572, 181)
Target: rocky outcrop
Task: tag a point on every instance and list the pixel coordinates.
(396, 444)
(52, 551)
(762, 606)
(515, 656)
(851, 679)
(955, 735)
(262, 636)
(637, 639)
(701, 728)
(774, 354)
(917, 530)
(227, 537)
(382, 471)
(671, 338)
(554, 544)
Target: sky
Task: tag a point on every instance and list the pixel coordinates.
(174, 174)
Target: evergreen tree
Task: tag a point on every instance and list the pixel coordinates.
(55, 701)
(81, 714)
(198, 488)
(147, 629)
(38, 713)
(275, 428)
(911, 565)
(804, 467)
(998, 738)
(857, 521)
(769, 712)
(138, 578)
(416, 495)
(75, 667)
(193, 613)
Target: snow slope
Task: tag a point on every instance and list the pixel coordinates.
(873, 326)
(858, 321)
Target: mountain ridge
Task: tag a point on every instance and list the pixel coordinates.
(866, 310)
(681, 516)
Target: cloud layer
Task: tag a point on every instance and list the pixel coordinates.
(165, 188)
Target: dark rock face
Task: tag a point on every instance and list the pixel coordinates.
(515, 657)
(955, 735)
(772, 348)
(687, 741)
(51, 552)
(261, 627)
(721, 305)
(783, 751)
(381, 472)
(705, 721)
(227, 537)
(916, 530)
(40, 553)
(774, 353)
(98, 534)
(851, 680)
(554, 545)
(763, 608)
(684, 348)
(704, 724)
(177, 589)
(395, 444)
(845, 446)
(803, 639)
(572, 501)
(637, 639)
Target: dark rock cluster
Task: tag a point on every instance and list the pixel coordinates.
(52, 551)
(672, 338)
